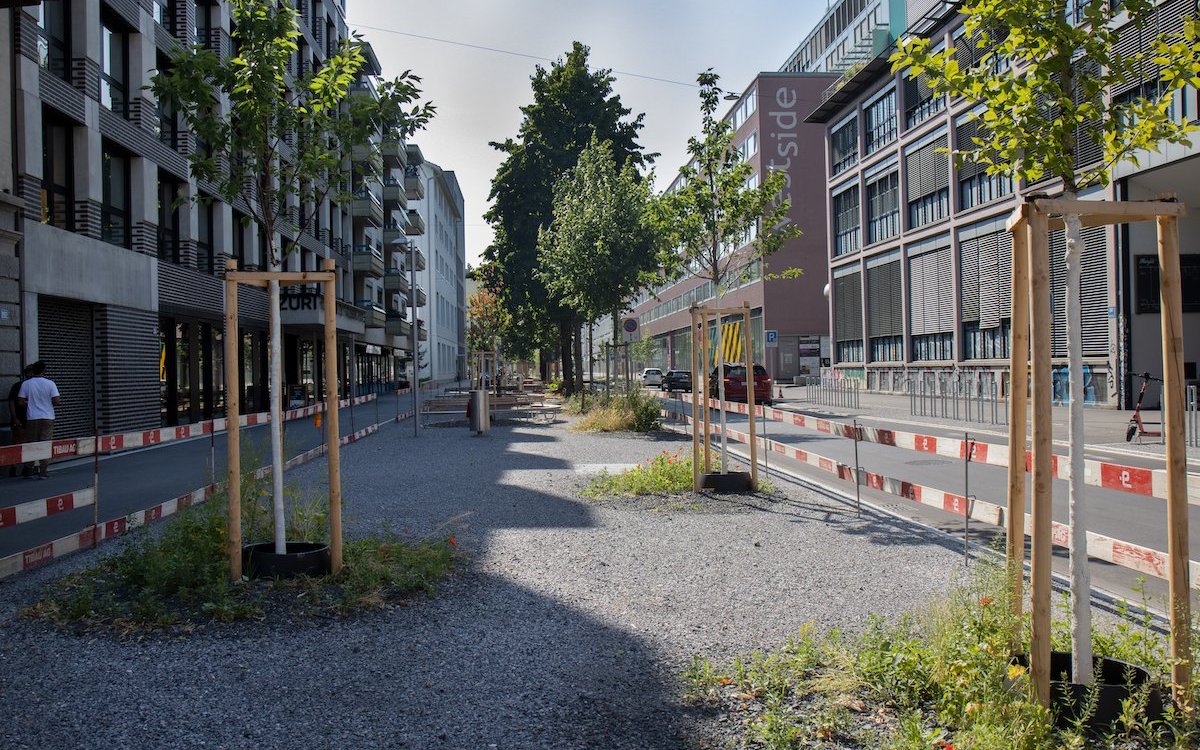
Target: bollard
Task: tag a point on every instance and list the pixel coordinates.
(477, 412)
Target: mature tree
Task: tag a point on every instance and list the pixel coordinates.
(603, 244)
(571, 103)
(719, 220)
(279, 141)
(486, 321)
(1042, 76)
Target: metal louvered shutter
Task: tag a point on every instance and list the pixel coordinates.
(990, 310)
(884, 315)
(847, 307)
(928, 170)
(931, 292)
(963, 133)
(65, 344)
(1089, 147)
(1167, 18)
(1093, 292)
(1004, 264)
(968, 278)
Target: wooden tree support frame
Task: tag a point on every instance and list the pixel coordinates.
(328, 278)
(701, 385)
(1030, 225)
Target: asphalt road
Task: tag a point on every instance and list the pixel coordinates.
(1130, 518)
(140, 479)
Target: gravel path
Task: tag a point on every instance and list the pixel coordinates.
(568, 628)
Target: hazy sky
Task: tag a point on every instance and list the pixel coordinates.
(478, 92)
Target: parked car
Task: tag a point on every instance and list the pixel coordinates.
(735, 383)
(652, 376)
(677, 380)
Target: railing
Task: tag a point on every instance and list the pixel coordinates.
(829, 391)
(1192, 417)
(962, 397)
(368, 247)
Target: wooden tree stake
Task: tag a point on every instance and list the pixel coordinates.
(745, 312)
(695, 405)
(1170, 298)
(1042, 556)
(331, 421)
(1018, 402)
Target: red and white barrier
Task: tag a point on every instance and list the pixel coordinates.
(1100, 547)
(11, 455)
(1110, 476)
(93, 535)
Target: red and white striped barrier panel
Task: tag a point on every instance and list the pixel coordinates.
(1110, 476)
(11, 455)
(93, 535)
(1100, 547)
(49, 506)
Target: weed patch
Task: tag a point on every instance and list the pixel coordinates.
(631, 412)
(938, 679)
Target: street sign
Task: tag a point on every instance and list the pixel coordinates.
(772, 337)
(630, 325)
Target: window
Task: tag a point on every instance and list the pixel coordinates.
(206, 258)
(985, 291)
(879, 121)
(885, 317)
(114, 74)
(928, 183)
(53, 43)
(931, 300)
(161, 11)
(114, 208)
(844, 146)
(57, 173)
(846, 222)
(883, 208)
(239, 238)
(990, 343)
(847, 316)
(168, 124)
(975, 185)
(748, 147)
(919, 101)
(168, 218)
(744, 109)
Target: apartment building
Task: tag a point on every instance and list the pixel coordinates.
(120, 265)
(439, 199)
(919, 259)
(770, 134)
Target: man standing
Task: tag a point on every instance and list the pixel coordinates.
(39, 396)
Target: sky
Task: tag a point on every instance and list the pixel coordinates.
(478, 92)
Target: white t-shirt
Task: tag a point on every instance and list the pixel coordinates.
(39, 392)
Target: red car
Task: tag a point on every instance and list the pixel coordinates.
(735, 383)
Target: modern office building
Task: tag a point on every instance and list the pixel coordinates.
(770, 133)
(120, 267)
(919, 259)
(443, 339)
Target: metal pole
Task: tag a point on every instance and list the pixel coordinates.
(970, 449)
(857, 472)
(415, 383)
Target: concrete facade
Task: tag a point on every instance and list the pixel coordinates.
(444, 278)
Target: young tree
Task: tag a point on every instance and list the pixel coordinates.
(486, 321)
(280, 142)
(571, 103)
(713, 212)
(1042, 80)
(603, 244)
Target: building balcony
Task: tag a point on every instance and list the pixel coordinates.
(420, 297)
(394, 195)
(395, 280)
(422, 333)
(376, 316)
(364, 88)
(415, 157)
(418, 259)
(368, 259)
(367, 205)
(416, 225)
(303, 307)
(397, 325)
(414, 185)
(394, 230)
(394, 152)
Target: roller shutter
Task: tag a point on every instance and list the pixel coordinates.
(968, 278)
(931, 291)
(927, 170)
(1093, 292)
(847, 307)
(884, 311)
(65, 344)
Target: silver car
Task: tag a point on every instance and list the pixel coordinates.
(652, 376)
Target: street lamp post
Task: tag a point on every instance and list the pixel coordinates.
(414, 384)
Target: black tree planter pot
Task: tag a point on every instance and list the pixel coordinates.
(1114, 681)
(734, 481)
(301, 559)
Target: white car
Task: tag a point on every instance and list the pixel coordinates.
(652, 376)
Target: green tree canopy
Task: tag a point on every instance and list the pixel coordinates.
(602, 245)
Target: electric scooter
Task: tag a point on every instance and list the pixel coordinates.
(1136, 425)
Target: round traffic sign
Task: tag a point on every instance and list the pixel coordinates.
(630, 325)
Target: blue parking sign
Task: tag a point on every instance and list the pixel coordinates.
(772, 337)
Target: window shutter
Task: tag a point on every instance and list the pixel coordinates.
(963, 133)
(927, 170)
(939, 165)
(944, 277)
(917, 275)
(847, 291)
(990, 310)
(968, 270)
(931, 292)
(884, 316)
(1004, 273)
(1094, 287)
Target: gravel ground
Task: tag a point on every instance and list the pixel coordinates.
(568, 628)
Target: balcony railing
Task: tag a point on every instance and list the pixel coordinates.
(414, 185)
(395, 280)
(376, 316)
(416, 225)
(368, 258)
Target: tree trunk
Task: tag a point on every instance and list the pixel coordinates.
(565, 355)
(578, 353)
(1081, 600)
(275, 393)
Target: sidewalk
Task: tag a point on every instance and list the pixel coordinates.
(568, 627)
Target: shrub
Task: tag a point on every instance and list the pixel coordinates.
(665, 474)
(630, 412)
